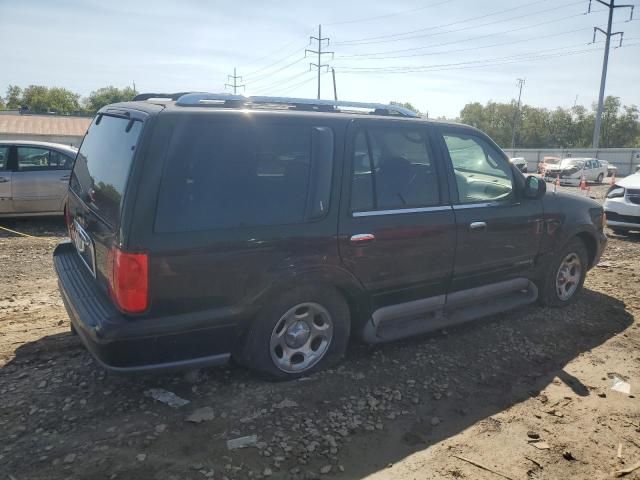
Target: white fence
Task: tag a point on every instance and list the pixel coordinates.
(626, 159)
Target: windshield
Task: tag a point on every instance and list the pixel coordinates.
(572, 162)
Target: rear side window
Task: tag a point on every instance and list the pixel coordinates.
(392, 169)
(237, 173)
(4, 157)
(102, 166)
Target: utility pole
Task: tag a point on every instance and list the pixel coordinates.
(335, 92)
(235, 79)
(516, 114)
(319, 52)
(603, 79)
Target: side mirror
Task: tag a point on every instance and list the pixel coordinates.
(534, 187)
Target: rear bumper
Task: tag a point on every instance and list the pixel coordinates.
(135, 344)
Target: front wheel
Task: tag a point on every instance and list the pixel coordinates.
(302, 331)
(565, 276)
(600, 178)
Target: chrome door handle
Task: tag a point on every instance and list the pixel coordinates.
(477, 226)
(362, 238)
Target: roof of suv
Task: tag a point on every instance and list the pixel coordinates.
(154, 103)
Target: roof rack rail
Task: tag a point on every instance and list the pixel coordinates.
(229, 100)
(167, 96)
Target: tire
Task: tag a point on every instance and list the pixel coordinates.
(319, 313)
(600, 178)
(549, 291)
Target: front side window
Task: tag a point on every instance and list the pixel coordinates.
(236, 174)
(32, 158)
(392, 169)
(482, 173)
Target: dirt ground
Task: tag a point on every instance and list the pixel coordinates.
(425, 408)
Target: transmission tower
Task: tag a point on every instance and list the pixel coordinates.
(319, 52)
(516, 114)
(235, 79)
(603, 79)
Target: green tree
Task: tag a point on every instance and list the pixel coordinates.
(107, 95)
(40, 99)
(1, 103)
(14, 97)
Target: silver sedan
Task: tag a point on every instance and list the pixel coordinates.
(34, 177)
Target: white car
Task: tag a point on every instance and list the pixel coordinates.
(520, 163)
(571, 170)
(622, 206)
(611, 169)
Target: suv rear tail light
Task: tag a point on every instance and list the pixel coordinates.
(129, 280)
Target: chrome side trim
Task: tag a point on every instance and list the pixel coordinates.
(400, 211)
(465, 206)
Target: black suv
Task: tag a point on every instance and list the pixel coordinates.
(272, 230)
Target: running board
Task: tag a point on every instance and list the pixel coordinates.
(422, 316)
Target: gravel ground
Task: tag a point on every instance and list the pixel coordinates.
(526, 395)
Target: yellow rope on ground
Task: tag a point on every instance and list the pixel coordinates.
(20, 233)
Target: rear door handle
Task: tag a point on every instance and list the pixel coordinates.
(361, 238)
(478, 226)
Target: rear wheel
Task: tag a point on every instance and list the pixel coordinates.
(600, 178)
(302, 331)
(565, 276)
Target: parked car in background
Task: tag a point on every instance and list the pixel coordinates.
(548, 162)
(622, 204)
(611, 169)
(571, 170)
(274, 229)
(34, 177)
(520, 163)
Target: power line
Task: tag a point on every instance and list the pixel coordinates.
(268, 76)
(517, 29)
(608, 34)
(264, 57)
(319, 52)
(378, 17)
(479, 63)
(255, 73)
(280, 82)
(469, 27)
(423, 29)
(235, 79)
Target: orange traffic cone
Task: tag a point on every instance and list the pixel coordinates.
(583, 183)
(613, 178)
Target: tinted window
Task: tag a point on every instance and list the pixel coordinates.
(4, 157)
(235, 174)
(482, 173)
(392, 169)
(33, 158)
(102, 166)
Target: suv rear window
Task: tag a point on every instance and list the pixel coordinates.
(242, 173)
(102, 166)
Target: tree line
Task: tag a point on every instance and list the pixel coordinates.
(559, 128)
(41, 99)
(535, 127)
(543, 128)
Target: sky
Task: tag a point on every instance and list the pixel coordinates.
(437, 54)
